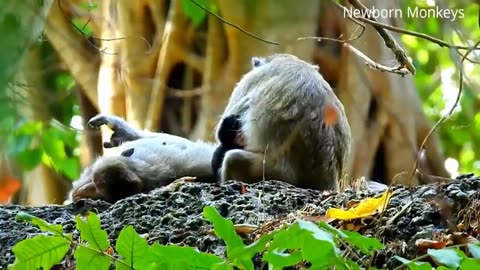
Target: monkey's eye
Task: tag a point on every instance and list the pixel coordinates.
(256, 62)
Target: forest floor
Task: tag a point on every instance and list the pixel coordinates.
(414, 220)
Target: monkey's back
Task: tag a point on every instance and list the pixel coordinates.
(291, 123)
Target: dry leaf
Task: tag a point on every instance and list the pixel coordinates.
(365, 208)
(426, 244)
(245, 228)
(110, 251)
(9, 186)
(461, 238)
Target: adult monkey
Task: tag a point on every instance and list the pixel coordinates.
(292, 127)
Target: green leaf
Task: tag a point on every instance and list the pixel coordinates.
(91, 231)
(315, 244)
(41, 251)
(223, 228)
(175, 257)
(351, 265)
(21, 143)
(474, 250)
(367, 245)
(413, 265)
(132, 247)
(470, 264)
(256, 247)
(56, 229)
(53, 145)
(195, 13)
(30, 128)
(446, 256)
(281, 260)
(89, 259)
(64, 80)
(69, 166)
(30, 158)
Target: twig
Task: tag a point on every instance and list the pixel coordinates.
(400, 69)
(233, 25)
(448, 114)
(399, 213)
(390, 41)
(91, 43)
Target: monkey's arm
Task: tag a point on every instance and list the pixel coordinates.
(122, 131)
(249, 167)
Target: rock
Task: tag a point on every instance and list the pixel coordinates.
(167, 216)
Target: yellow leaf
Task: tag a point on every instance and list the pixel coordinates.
(365, 208)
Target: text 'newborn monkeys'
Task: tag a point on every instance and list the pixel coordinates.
(291, 127)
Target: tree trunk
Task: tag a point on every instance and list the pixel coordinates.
(282, 21)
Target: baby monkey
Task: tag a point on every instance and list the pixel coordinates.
(144, 161)
(292, 126)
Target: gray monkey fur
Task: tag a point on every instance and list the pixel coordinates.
(280, 103)
(143, 161)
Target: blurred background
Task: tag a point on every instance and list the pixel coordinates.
(167, 65)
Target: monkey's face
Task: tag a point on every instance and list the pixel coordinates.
(109, 179)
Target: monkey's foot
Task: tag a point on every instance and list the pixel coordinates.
(122, 131)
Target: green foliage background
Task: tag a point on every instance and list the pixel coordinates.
(460, 135)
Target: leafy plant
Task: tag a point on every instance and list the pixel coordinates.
(33, 143)
(301, 242)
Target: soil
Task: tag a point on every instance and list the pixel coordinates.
(174, 215)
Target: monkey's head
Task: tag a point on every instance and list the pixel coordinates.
(109, 179)
(279, 59)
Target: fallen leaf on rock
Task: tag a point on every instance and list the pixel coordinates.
(425, 244)
(461, 238)
(245, 228)
(110, 251)
(365, 208)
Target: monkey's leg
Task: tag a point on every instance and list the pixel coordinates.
(122, 131)
(248, 167)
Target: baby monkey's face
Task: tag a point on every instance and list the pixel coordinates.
(108, 179)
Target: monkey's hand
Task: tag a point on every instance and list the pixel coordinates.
(229, 132)
(122, 131)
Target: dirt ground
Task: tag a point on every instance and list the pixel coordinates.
(438, 212)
